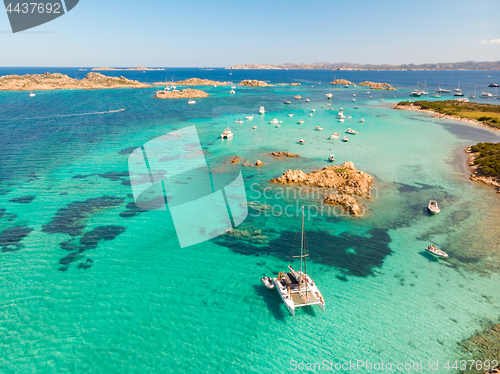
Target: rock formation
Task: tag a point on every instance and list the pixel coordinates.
(254, 83)
(186, 93)
(48, 81)
(192, 82)
(349, 203)
(345, 179)
(235, 160)
(284, 154)
(259, 163)
(377, 86)
(341, 81)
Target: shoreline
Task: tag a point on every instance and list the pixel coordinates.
(476, 176)
(414, 108)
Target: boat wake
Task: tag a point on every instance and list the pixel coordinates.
(67, 115)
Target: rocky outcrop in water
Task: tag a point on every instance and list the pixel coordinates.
(259, 163)
(341, 81)
(192, 82)
(254, 83)
(48, 81)
(377, 86)
(284, 154)
(344, 179)
(187, 93)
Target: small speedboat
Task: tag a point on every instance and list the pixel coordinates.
(290, 114)
(349, 117)
(362, 120)
(341, 120)
(351, 131)
(328, 104)
(239, 121)
(313, 110)
(346, 86)
(307, 100)
(331, 158)
(192, 101)
(249, 117)
(353, 94)
(334, 136)
(329, 95)
(297, 97)
(353, 99)
(310, 114)
(301, 121)
(227, 134)
(254, 127)
(432, 249)
(278, 125)
(274, 121)
(268, 282)
(232, 92)
(345, 139)
(288, 102)
(32, 94)
(301, 141)
(432, 207)
(317, 128)
(262, 110)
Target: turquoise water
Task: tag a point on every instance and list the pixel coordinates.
(147, 305)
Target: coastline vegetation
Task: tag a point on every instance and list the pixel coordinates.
(488, 114)
(488, 158)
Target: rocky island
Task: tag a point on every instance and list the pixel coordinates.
(377, 86)
(141, 68)
(192, 82)
(187, 93)
(345, 179)
(254, 83)
(55, 81)
(341, 81)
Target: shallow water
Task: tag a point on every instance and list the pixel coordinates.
(147, 305)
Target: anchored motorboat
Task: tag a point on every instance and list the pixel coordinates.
(334, 136)
(351, 131)
(191, 101)
(345, 139)
(239, 121)
(274, 121)
(331, 158)
(227, 134)
(301, 141)
(362, 120)
(329, 95)
(310, 114)
(287, 102)
(262, 110)
(297, 97)
(301, 121)
(432, 249)
(290, 114)
(433, 207)
(249, 117)
(317, 128)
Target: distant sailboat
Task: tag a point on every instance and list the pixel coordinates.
(32, 94)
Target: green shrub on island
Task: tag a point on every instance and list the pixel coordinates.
(488, 114)
(489, 158)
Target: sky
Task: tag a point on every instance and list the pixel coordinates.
(219, 33)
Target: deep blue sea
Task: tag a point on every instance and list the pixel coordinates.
(90, 283)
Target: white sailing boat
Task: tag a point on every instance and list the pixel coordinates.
(32, 94)
(296, 288)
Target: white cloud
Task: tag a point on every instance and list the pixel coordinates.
(492, 41)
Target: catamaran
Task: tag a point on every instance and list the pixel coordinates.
(296, 288)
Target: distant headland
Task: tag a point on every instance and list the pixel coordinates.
(465, 65)
(126, 69)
